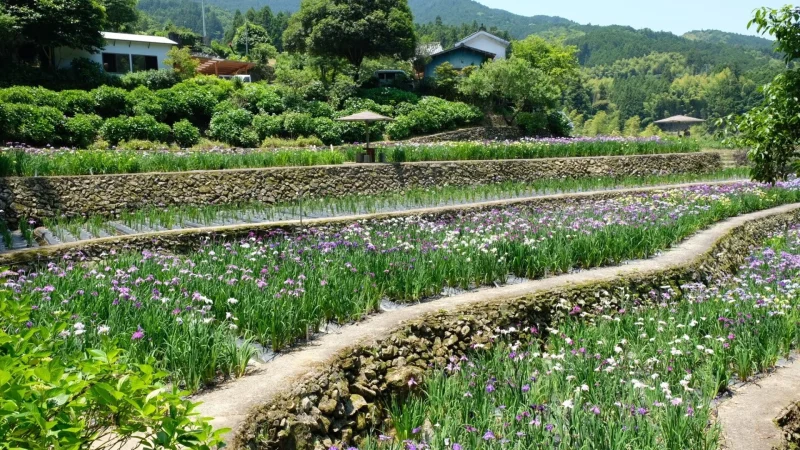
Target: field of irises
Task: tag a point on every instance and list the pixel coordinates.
(23, 161)
(642, 377)
(199, 314)
(172, 218)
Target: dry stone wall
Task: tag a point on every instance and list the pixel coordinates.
(341, 402)
(44, 197)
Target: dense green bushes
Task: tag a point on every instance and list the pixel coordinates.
(235, 114)
(119, 129)
(37, 125)
(56, 397)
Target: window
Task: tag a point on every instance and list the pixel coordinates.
(116, 63)
(143, 62)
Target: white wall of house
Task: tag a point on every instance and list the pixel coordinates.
(487, 44)
(128, 49)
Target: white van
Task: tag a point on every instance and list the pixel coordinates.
(242, 78)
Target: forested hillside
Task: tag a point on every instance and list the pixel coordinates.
(605, 45)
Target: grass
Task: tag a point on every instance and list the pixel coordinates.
(161, 218)
(611, 377)
(52, 162)
(191, 310)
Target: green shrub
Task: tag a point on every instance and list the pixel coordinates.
(232, 126)
(148, 128)
(111, 101)
(200, 101)
(186, 135)
(268, 125)
(77, 102)
(82, 129)
(258, 97)
(298, 124)
(400, 129)
(17, 94)
(145, 102)
(389, 96)
(319, 109)
(51, 400)
(27, 95)
(151, 79)
(35, 125)
(329, 131)
(559, 124)
(533, 124)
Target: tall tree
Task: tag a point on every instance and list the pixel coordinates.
(122, 15)
(47, 24)
(511, 86)
(352, 29)
(772, 130)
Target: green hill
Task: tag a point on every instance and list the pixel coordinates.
(738, 40)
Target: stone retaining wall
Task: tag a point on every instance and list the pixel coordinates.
(44, 197)
(342, 402)
(471, 134)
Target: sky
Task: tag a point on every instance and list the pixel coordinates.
(677, 16)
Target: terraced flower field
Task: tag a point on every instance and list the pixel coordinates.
(643, 377)
(56, 231)
(201, 313)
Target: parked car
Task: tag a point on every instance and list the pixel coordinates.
(242, 78)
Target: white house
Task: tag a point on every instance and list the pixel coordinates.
(123, 53)
(487, 42)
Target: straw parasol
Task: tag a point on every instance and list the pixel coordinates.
(677, 123)
(366, 117)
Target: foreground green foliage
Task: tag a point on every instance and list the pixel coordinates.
(57, 396)
(772, 130)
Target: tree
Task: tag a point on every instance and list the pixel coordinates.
(122, 15)
(446, 80)
(182, 62)
(47, 24)
(511, 86)
(558, 61)
(772, 130)
(248, 36)
(352, 29)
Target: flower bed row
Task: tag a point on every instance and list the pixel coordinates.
(25, 161)
(191, 310)
(152, 219)
(614, 377)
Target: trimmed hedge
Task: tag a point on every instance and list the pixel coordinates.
(240, 116)
(123, 128)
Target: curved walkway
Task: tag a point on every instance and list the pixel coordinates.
(748, 418)
(231, 403)
(182, 237)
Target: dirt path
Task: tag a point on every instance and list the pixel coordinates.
(229, 404)
(748, 418)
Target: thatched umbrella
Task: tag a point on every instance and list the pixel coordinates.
(678, 123)
(367, 117)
